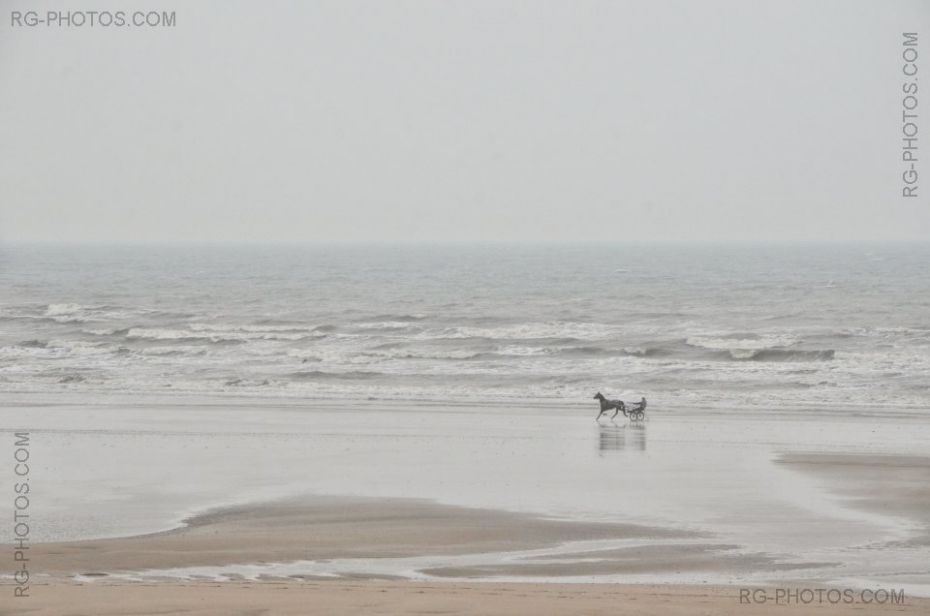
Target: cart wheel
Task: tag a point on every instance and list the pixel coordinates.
(640, 415)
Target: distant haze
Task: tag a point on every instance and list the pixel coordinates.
(383, 121)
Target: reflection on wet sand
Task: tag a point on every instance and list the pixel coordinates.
(630, 436)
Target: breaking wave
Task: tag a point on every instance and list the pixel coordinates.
(783, 355)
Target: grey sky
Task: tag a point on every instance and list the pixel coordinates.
(527, 120)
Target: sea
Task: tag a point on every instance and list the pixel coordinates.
(839, 327)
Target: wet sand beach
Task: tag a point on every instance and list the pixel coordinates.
(508, 511)
(316, 557)
(389, 597)
(328, 528)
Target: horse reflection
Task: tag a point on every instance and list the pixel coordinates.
(630, 436)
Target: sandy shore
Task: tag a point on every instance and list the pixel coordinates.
(102, 577)
(327, 528)
(651, 524)
(885, 484)
(379, 597)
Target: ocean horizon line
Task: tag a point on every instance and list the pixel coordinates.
(401, 243)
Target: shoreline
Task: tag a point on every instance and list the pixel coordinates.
(419, 539)
(472, 501)
(581, 408)
(328, 528)
(671, 449)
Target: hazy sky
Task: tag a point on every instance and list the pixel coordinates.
(387, 120)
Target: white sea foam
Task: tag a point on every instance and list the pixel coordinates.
(741, 341)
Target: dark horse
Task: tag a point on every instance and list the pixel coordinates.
(606, 405)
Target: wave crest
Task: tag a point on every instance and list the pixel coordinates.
(783, 355)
